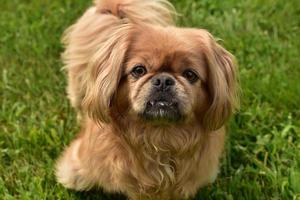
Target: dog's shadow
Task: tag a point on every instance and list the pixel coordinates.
(98, 195)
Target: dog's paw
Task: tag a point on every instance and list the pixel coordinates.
(69, 171)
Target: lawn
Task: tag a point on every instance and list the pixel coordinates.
(262, 158)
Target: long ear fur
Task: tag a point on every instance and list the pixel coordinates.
(105, 73)
(95, 49)
(222, 83)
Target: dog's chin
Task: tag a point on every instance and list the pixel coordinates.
(162, 113)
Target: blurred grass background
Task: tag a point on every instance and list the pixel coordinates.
(262, 159)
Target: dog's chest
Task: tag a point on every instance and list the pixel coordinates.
(162, 172)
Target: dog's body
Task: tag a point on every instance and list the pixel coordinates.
(152, 99)
(138, 170)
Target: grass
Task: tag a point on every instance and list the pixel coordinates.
(262, 159)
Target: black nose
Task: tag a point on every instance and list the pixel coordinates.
(163, 82)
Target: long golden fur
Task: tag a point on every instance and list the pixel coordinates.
(166, 157)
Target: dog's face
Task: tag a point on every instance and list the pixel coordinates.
(165, 76)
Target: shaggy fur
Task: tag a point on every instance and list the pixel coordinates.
(117, 149)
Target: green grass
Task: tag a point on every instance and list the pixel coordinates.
(262, 159)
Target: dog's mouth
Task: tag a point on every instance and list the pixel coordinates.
(162, 109)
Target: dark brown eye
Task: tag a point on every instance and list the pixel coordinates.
(139, 71)
(190, 75)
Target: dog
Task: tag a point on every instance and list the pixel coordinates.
(152, 101)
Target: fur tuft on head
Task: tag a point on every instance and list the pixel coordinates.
(157, 12)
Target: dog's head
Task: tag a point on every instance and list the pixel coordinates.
(161, 76)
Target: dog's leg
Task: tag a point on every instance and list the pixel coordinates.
(69, 169)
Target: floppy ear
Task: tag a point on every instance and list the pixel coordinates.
(95, 49)
(105, 72)
(222, 83)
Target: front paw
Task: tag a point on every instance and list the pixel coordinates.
(69, 171)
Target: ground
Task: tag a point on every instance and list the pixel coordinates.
(262, 158)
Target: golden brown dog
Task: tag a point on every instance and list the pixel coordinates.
(152, 100)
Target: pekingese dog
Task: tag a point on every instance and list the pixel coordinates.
(152, 100)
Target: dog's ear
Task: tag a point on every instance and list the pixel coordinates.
(221, 84)
(95, 50)
(105, 72)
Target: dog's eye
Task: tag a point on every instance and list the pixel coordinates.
(190, 75)
(139, 71)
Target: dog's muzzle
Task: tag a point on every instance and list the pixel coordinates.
(162, 104)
